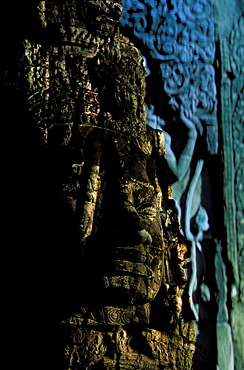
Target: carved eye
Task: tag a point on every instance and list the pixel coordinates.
(145, 205)
(147, 212)
(141, 198)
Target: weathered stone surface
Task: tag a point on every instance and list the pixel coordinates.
(127, 348)
(230, 27)
(177, 40)
(102, 246)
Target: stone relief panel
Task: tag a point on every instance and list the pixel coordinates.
(237, 99)
(231, 71)
(180, 36)
(177, 41)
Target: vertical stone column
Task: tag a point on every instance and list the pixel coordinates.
(229, 260)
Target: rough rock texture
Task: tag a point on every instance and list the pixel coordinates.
(96, 279)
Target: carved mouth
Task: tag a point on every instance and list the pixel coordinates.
(124, 267)
(132, 261)
(134, 254)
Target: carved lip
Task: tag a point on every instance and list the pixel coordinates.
(134, 261)
(124, 267)
(136, 253)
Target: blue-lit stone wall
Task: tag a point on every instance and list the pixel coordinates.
(193, 52)
(178, 43)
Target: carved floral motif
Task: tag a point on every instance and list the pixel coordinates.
(180, 35)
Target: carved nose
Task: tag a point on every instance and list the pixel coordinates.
(134, 223)
(131, 216)
(145, 237)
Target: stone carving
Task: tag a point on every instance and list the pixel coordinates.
(231, 302)
(177, 40)
(180, 35)
(237, 93)
(101, 198)
(146, 349)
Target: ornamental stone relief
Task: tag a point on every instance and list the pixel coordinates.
(96, 194)
(108, 256)
(177, 40)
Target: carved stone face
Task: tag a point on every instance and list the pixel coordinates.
(104, 187)
(124, 251)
